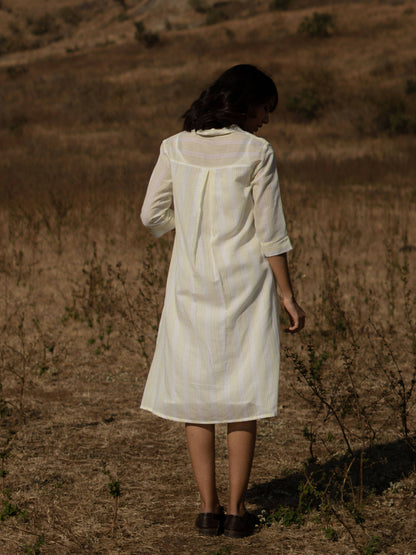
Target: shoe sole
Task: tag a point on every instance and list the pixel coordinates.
(234, 534)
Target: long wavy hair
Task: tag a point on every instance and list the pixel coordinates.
(231, 98)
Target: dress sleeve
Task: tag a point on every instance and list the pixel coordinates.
(268, 211)
(157, 211)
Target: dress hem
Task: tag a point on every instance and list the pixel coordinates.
(230, 421)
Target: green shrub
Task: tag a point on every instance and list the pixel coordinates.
(330, 534)
(4, 411)
(393, 118)
(279, 4)
(16, 71)
(140, 29)
(410, 86)
(215, 15)
(198, 5)
(122, 3)
(148, 38)
(70, 16)
(371, 547)
(230, 34)
(319, 25)
(9, 509)
(3, 44)
(287, 516)
(306, 104)
(34, 549)
(72, 49)
(43, 24)
(17, 122)
(14, 28)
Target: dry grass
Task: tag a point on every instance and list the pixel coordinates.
(82, 283)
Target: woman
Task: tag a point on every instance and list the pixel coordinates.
(217, 351)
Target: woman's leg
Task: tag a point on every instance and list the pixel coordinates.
(241, 442)
(201, 446)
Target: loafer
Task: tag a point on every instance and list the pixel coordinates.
(240, 526)
(210, 524)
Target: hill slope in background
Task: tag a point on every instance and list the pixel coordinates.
(26, 25)
(351, 93)
(66, 24)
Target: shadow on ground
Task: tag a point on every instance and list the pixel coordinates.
(371, 471)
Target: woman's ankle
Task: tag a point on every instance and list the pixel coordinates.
(210, 507)
(238, 509)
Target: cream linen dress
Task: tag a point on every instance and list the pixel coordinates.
(217, 351)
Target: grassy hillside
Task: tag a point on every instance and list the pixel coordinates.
(85, 101)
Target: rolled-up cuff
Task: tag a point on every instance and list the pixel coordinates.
(273, 248)
(160, 228)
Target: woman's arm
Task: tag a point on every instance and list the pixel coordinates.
(268, 211)
(271, 231)
(278, 264)
(157, 211)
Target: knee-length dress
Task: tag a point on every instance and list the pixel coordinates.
(217, 351)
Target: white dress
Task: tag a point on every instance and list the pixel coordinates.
(217, 351)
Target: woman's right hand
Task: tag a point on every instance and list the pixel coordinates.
(296, 315)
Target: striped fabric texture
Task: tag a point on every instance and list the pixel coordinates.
(217, 351)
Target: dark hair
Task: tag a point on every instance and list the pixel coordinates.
(231, 98)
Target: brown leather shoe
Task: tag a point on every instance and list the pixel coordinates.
(210, 524)
(240, 526)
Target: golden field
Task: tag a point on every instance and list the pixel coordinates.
(84, 105)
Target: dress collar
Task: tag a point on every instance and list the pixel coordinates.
(214, 132)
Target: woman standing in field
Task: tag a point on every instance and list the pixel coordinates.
(217, 352)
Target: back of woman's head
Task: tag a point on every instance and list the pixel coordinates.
(231, 98)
